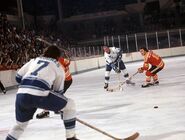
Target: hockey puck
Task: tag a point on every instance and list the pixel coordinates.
(155, 106)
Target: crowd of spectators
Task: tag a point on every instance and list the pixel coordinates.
(18, 46)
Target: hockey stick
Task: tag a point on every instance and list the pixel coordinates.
(121, 84)
(132, 137)
(44, 41)
(50, 44)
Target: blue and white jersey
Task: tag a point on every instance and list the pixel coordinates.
(113, 55)
(41, 75)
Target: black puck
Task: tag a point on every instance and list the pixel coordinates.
(156, 106)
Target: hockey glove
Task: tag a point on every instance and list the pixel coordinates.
(140, 70)
(116, 69)
(119, 58)
(112, 65)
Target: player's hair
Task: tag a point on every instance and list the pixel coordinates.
(144, 48)
(52, 52)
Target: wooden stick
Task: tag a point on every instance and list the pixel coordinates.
(49, 44)
(132, 137)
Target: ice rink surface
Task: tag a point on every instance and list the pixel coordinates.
(119, 113)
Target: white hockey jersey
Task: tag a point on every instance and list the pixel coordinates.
(41, 75)
(113, 55)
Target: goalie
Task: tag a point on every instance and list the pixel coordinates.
(113, 58)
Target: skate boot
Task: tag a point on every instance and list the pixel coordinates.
(106, 85)
(147, 84)
(57, 112)
(4, 91)
(73, 138)
(156, 82)
(43, 114)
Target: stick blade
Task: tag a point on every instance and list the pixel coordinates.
(132, 137)
(110, 90)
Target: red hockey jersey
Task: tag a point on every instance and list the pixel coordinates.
(65, 63)
(153, 59)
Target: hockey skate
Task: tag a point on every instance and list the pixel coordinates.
(57, 112)
(106, 86)
(156, 83)
(148, 84)
(73, 138)
(4, 91)
(43, 114)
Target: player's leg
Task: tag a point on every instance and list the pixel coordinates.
(67, 84)
(69, 117)
(148, 79)
(67, 106)
(123, 69)
(108, 69)
(125, 73)
(17, 130)
(24, 113)
(45, 113)
(155, 79)
(154, 70)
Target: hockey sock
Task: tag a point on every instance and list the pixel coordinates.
(69, 114)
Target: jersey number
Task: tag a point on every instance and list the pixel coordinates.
(43, 65)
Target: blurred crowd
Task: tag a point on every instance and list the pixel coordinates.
(18, 46)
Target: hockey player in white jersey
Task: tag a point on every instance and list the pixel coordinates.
(113, 58)
(41, 84)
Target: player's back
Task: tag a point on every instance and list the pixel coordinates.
(39, 75)
(153, 58)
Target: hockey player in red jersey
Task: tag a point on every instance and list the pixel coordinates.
(67, 83)
(68, 77)
(152, 65)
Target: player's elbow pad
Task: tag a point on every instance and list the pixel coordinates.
(18, 78)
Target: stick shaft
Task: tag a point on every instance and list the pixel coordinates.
(50, 44)
(133, 75)
(97, 129)
(121, 83)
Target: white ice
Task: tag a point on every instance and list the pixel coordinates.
(120, 113)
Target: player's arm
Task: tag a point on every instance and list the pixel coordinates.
(108, 58)
(58, 85)
(143, 68)
(119, 54)
(22, 71)
(67, 62)
(113, 65)
(145, 65)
